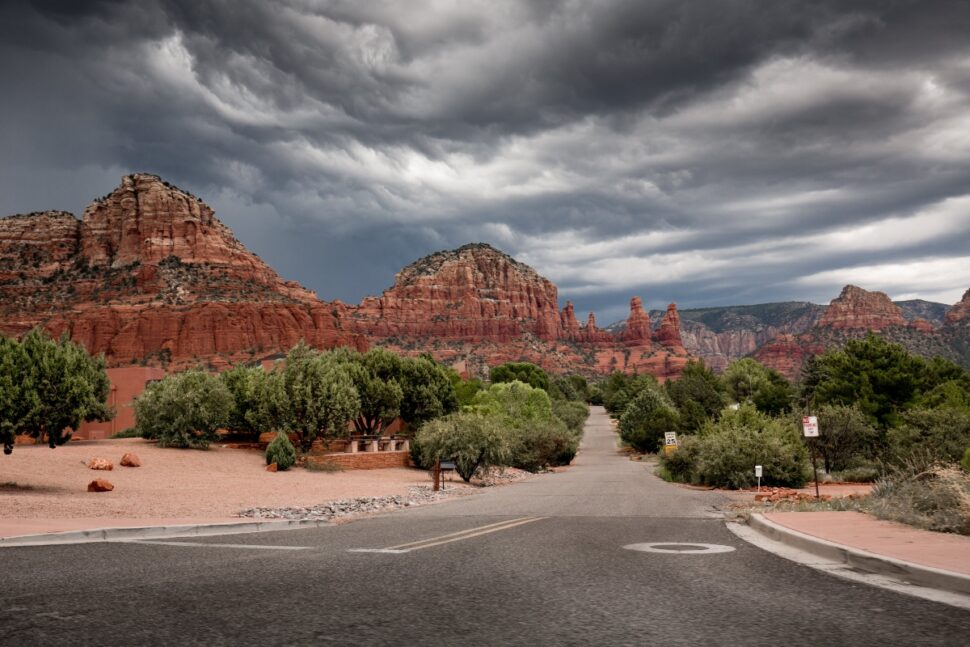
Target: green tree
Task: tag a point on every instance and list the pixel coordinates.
(697, 394)
(878, 377)
(846, 437)
(474, 442)
(69, 387)
(743, 379)
(427, 391)
(318, 396)
(522, 372)
(184, 410)
(376, 375)
(17, 395)
(645, 420)
(620, 389)
(243, 383)
(515, 402)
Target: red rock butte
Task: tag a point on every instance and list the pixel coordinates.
(150, 276)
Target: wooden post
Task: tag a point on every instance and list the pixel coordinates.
(436, 474)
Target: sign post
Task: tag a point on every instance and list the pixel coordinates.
(810, 429)
(670, 442)
(757, 472)
(436, 475)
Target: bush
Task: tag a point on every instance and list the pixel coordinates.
(473, 441)
(542, 444)
(645, 420)
(281, 451)
(574, 414)
(846, 437)
(183, 410)
(725, 453)
(941, 434)
(936, 498)
(860, 474)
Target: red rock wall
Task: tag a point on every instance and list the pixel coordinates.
(858, 309)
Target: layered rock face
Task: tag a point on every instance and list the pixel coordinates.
(472, 293)
(852, 315)
(150, 274)
(858, 309)
(476, 306)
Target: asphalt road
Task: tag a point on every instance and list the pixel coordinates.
(538, 563)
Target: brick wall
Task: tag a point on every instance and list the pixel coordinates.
(364, 460)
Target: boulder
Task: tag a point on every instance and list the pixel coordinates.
(100, 485)
(272, 467)
(130, 460)
(100, 464)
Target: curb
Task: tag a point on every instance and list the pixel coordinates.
(863, 560)
(157, 532)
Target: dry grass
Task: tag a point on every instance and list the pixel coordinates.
(933, 498)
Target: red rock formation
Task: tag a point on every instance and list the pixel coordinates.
(637, 330)
(151, 273)
(858, 309)
(787, 353)
(922, 325)
(960, 312)
(668, 334)
(472, 293)
(593, 335)
(570, 327)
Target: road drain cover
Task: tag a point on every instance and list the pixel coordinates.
(683, 549)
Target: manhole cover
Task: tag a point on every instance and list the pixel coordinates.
(683, 549)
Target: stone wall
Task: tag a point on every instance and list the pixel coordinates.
(364, 460)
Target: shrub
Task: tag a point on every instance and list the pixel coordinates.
(540, 444)
(183, 410)
(645, 420)
(942, 434)
(860, 474)
(846, 437)
(281, 451)
(725, 453)
(936, 498)
(573, 414)
(473, 441)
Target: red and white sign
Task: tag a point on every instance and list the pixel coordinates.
(810, 426)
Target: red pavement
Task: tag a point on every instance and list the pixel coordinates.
(887, 538)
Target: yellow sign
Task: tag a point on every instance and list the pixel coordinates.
(669, 449)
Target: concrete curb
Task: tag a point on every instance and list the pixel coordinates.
(157, 532)
(863, 560)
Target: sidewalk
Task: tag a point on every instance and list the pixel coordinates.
(905, 543)
(930, 559)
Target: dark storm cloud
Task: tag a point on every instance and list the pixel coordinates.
(703, 152)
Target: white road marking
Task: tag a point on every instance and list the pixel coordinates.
(680, 548)
(450, 537)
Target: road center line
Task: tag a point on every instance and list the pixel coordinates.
(460, 532)
(207, 545)
(450, 537)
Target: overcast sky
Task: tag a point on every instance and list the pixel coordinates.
(708, 153)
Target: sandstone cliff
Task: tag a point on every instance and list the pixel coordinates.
(858, 309)
(151, 275)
